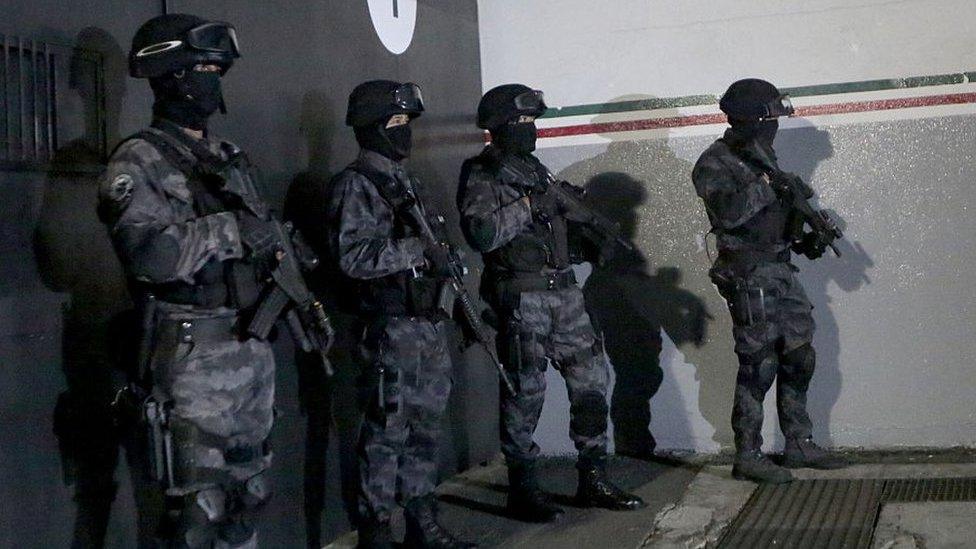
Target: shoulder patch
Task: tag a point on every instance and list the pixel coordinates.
(120, 189)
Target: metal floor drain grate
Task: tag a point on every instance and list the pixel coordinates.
(833, 513)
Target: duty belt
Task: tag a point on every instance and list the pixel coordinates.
(756, 256)
(532, 282)
(199, 330)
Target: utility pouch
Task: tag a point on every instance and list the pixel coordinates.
(160, 440)
(423, 293)
(748, 303)
(387, 399)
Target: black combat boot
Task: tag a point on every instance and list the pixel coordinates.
(423, 531)
(525, 500)
(375, 534)
(753, 465)
(805, 453)
(596, 490)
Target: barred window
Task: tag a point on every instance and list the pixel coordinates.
(50, 95)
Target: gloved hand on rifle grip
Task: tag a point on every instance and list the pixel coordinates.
(811, 245)
(545, 205)
(438, 258)
(260, 242)
(781, 186)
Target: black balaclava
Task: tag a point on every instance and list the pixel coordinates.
(763, 131)
(188, 100)
(518, 138)
(394, 143)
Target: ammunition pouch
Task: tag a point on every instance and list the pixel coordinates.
(526, 253)
(519, 350)
(423, 296)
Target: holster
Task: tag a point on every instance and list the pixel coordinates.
(378, 378)
(160, 441)
(748, 305)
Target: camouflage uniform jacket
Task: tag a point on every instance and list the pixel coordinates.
(371, 239)
(154, 223)
(732, 178)
(499, 223)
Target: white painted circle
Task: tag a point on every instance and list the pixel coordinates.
(394, 21)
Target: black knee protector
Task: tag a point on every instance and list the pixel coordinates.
(758, 376)
(803, 358)
(200, 517)
(588, 413)
(256, 491)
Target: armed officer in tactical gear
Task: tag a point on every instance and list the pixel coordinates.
(396, 278)
(749, 205)
(524, 230)
(206, 260)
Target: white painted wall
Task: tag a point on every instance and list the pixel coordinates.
(896, 315)
(589, 51)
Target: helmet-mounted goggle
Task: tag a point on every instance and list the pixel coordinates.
(409, 98)
(531, 102)
(214, 37)
(781, 106)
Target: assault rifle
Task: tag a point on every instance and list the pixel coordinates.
(821, 225)
(307, 321)
(570, 197)
(456, 280)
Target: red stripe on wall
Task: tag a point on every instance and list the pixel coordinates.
(704, 119)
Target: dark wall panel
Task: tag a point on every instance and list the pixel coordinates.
(60, 283)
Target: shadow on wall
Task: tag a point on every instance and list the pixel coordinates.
(330, 406)
(75, 256)
(664, 289)
(801, 150)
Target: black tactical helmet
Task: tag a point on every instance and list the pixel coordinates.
(507, 102)
(755, 99)
(377, 100)
(170, 43)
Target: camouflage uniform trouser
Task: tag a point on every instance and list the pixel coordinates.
(553, 324)
(402, 428)
(773, 330)
(221, 393)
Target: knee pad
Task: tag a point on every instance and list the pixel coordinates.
(589, 414)
(758, 375)
(236, 534)
(256, 491)
(803, 357)
(200, 516)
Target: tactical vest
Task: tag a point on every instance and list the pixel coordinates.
(405, 293)
(231, 283)
(766, 234)
(544, 246)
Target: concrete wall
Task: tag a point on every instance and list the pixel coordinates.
(635, 87)
(60, 283)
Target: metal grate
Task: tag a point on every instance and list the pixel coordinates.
(939, 489)
(47, 92)
(831, 513)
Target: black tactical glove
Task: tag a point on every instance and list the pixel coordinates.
(260, 242)
(781, 186)
(811, 245)
(438, 259)
(545, 205)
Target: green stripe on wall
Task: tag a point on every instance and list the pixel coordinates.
(655, 103)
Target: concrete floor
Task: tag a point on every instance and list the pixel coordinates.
(689, 506)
